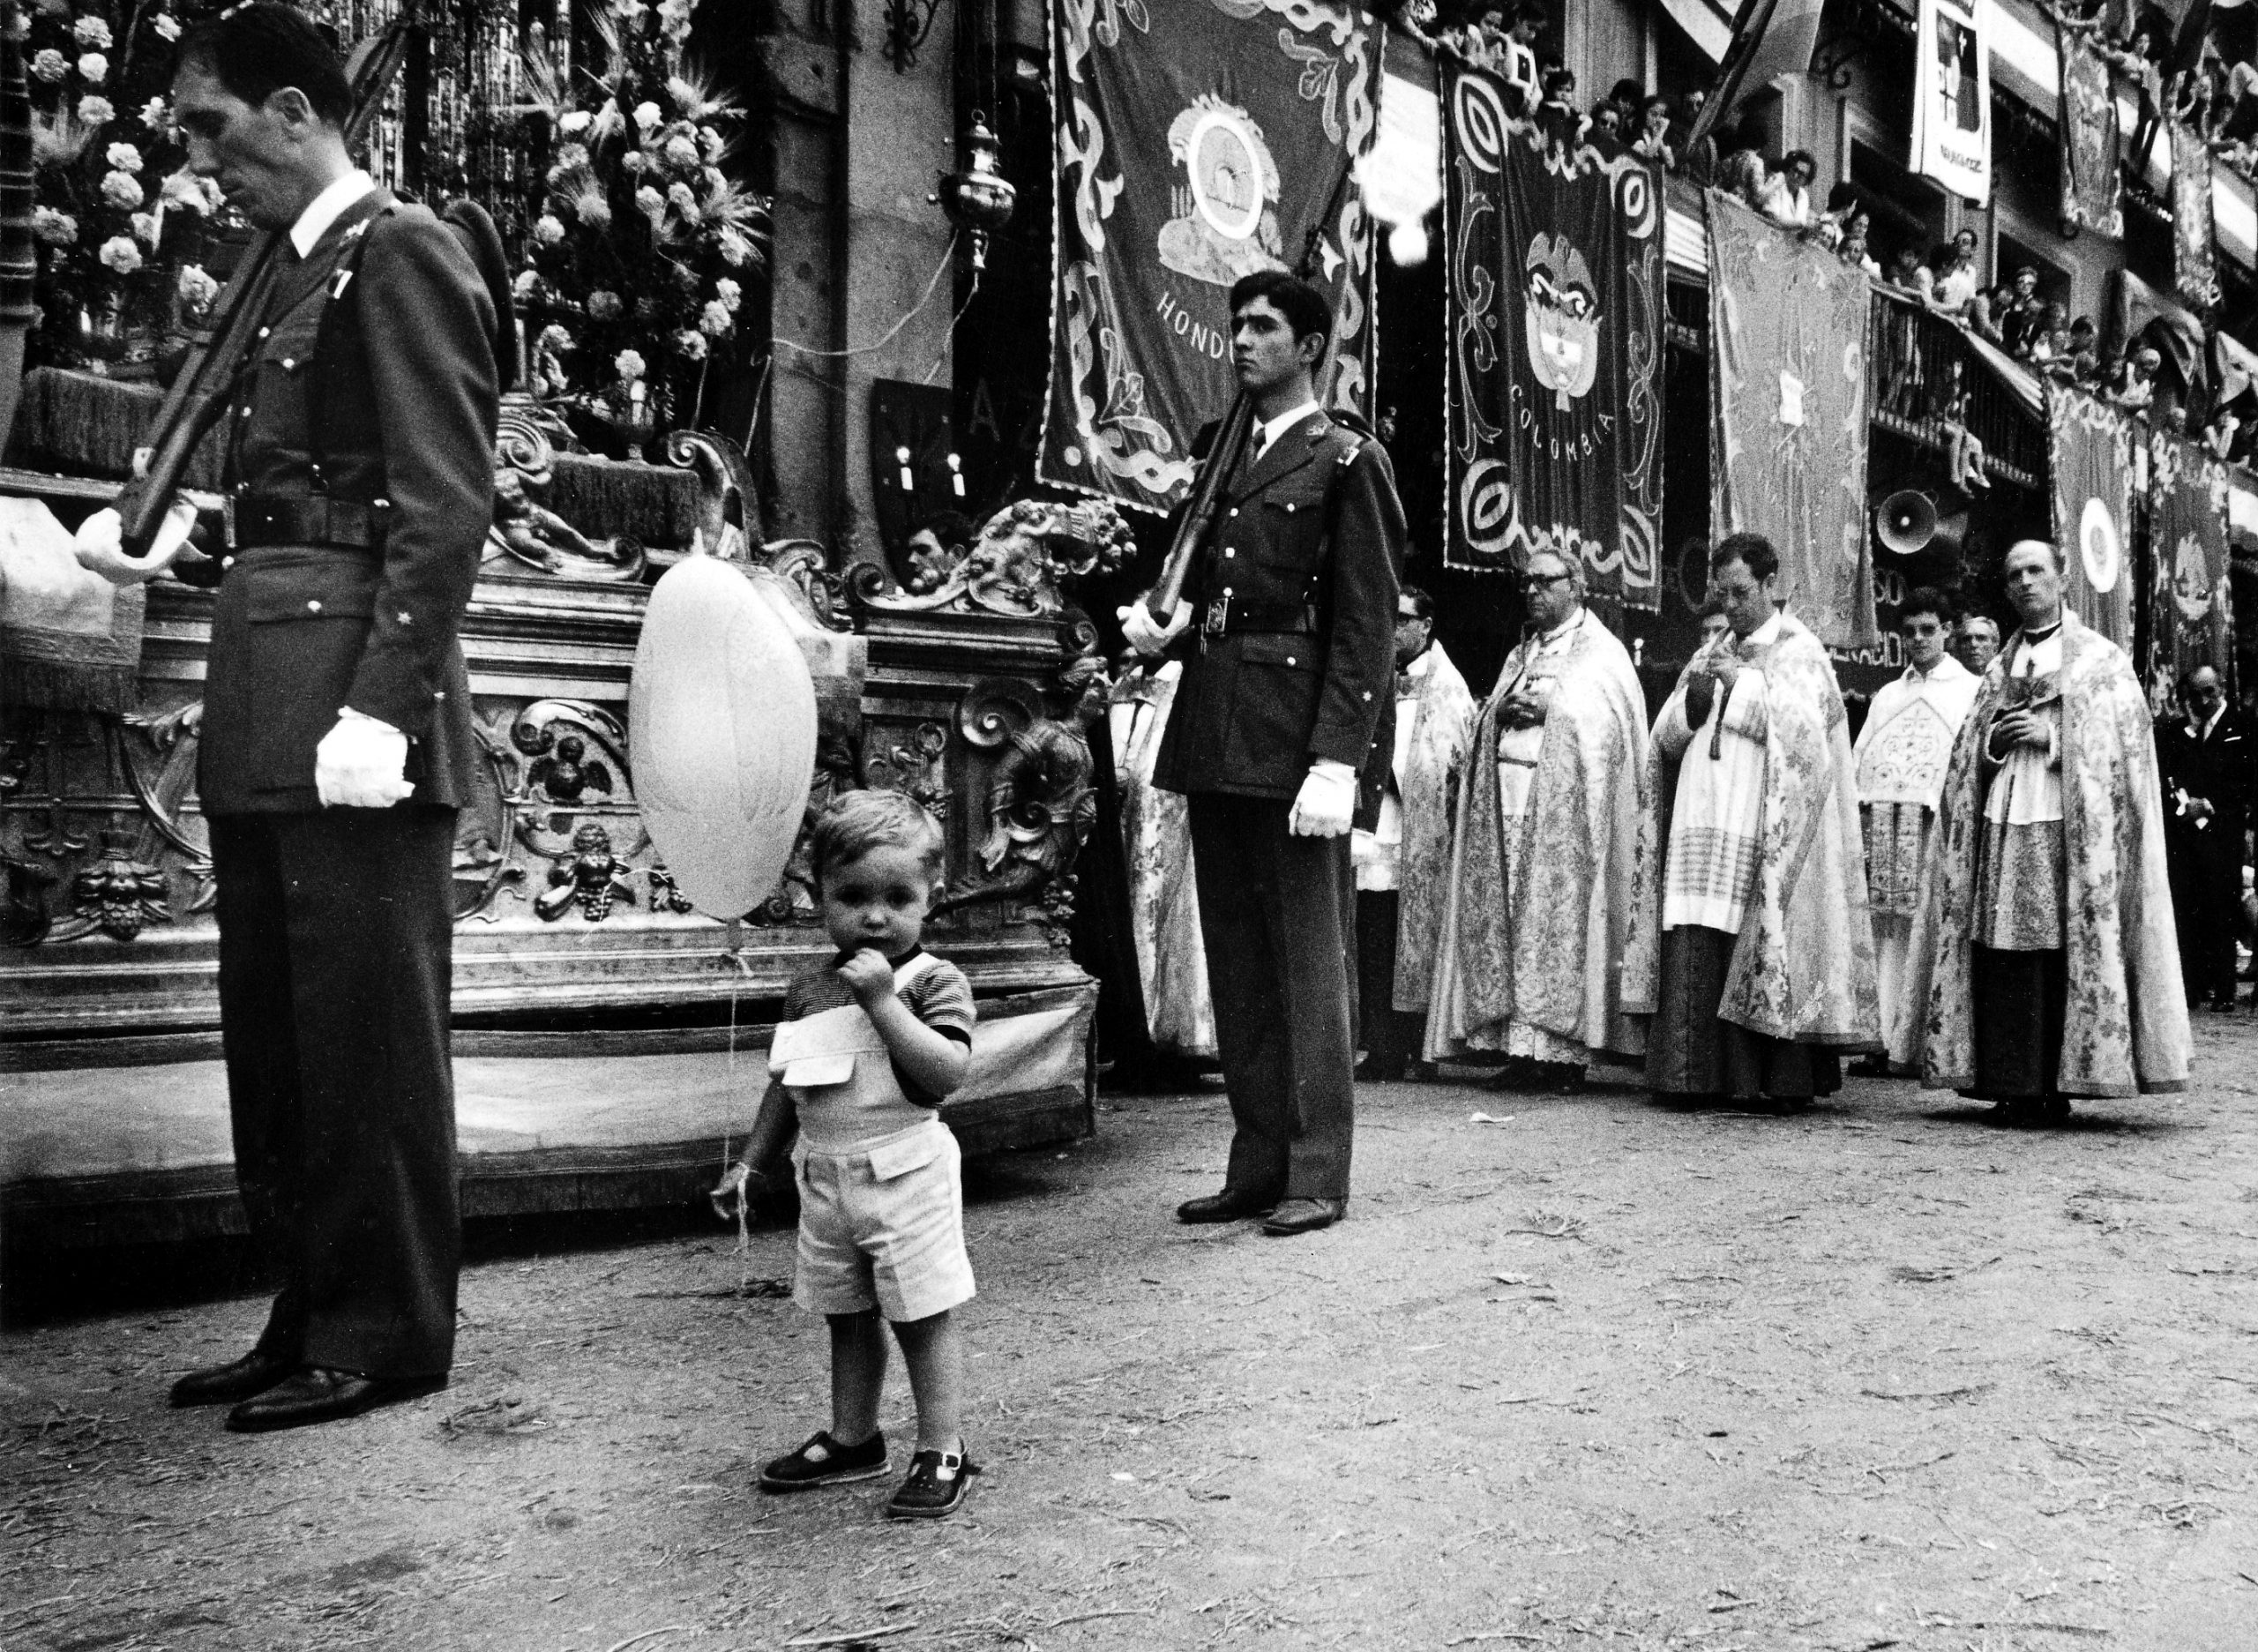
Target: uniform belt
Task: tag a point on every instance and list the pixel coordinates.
(305, 518)
(1225, 616)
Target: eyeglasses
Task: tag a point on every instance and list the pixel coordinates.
(1533, 582)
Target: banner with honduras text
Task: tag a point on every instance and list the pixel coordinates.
(1196, 142)
(1554, 328)
(1952, 95)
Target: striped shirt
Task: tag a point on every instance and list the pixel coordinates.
(940, 996)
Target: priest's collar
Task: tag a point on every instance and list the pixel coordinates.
(2032, 635)
(1563, 628)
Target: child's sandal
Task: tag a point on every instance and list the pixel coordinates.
(823, 1462)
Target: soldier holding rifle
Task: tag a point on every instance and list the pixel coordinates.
(1281, 738)
(359, 394)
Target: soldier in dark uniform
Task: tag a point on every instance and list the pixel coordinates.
(2208, 764)
(336, 731)
(1281, 738)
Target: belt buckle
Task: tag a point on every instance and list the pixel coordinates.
(1217, 618)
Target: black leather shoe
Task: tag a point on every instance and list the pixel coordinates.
(1224, 1206)
(1304, 1215)
(255, 1372)
(317, 1394)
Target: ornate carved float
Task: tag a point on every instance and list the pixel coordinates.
(970, 698)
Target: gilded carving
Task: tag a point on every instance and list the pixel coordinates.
(1014, 567)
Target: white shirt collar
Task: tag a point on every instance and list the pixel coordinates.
(1944, 671)
(1764, 633)
(2203, 731)
(1272, 428)
(323, 209)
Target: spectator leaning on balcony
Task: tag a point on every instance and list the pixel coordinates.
(1654, 132)
(1955, 275)
(1786, 198)
(1742, 171)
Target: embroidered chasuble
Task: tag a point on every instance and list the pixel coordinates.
(1532, 932)
(2019, 867)
(1409, 849)
(1157, 845)
(2084, 816)
(1752, 844)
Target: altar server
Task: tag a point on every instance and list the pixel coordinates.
(1902, 751)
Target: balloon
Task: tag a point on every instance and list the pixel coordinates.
(721, 725)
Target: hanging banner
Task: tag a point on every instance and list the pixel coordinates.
(2089, 471)
(2191, 613)
(1553, 324)
(2194, 260)
(1952, 96)
(1197, 141)
(2092, 144)
(1788, 425)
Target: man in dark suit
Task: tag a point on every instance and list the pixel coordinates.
(336, 733)
(1281, 736)
(2206, 759)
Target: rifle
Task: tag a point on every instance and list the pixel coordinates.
(206, 380)
(1193, 527)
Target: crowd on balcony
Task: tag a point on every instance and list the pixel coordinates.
(2217, 96)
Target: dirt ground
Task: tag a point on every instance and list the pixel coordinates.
(1584, 1372)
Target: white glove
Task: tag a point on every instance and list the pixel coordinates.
(359, 763)
(1327, 802)
(99, 544)
(1146, 634)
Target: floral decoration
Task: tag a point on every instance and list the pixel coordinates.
(635, 267)
(117, 213)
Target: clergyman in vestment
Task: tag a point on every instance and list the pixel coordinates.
(1530, 952)
(1903, 752)
(1403, 862)
(2045, 955)
(1750, 948)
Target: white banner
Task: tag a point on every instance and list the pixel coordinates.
(1952, 96)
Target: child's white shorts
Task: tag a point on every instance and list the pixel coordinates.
(883, 1227)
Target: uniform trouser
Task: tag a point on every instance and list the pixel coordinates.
(2206, 902)
(335, 940)
(1277, 914)
(1390, 1037)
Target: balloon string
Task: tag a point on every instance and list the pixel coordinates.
(744, 1236)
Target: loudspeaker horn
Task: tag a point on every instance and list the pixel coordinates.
(1906, 521)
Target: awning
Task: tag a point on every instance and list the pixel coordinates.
(1709, 22)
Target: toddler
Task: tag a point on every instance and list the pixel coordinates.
(869, 1044)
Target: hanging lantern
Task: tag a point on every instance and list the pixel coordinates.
(980, 198)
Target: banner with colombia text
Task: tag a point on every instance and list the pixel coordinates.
(1553, 326)
(1195, 142)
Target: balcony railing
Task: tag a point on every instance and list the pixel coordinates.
(1918, 365)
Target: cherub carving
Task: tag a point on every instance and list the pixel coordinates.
(568, 774)
(594, 878)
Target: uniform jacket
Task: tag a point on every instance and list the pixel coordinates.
(1314, 521)
(2220, 767)
(301, 631)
